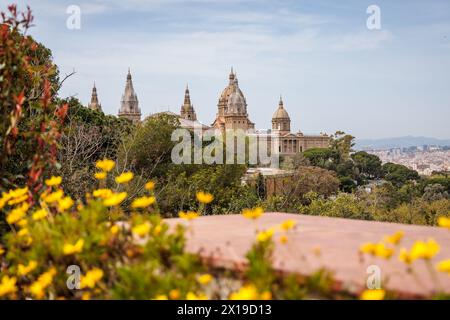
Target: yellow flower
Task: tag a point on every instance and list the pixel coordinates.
(100, 175)
(22, 223)
(205, 278)
(102, 193)
(161, 297)
(125, 177)
(204, 197)
(193, 296)
(2, 251)
(288, 224)
(23, 232)
(17, 193)
(283, 239)
(65, 204)
(424, 250)
(404, 256)
(174, 294)
(374, 294)
(368, 248)
(264, 236)
(38, 287)
(17, 213)
(2, 202)
(54, 196)
(115, 199)
(86, 296)
(24, 270)
(150, 185)
(253, 213)
(444, 222)
(157, 230)
(70, 249)
(141, 230)
(143, 202)
(7, 285)
(382, 251)
(18, 200)
(114, 229)
(190, 215)
(394, 238)
(266, 295)
(246, 292)
(53, 181)
(39, 214)
(444, 266)
(91, 278)
(105, 165)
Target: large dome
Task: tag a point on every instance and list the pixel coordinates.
(280, 113)
(236, 103)
(232, 87)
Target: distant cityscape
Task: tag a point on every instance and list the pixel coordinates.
(424, 159)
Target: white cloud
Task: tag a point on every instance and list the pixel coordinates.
(361, 41)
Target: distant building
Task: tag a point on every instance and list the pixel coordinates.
(187, 109)
(94, 104)
(129, 107)
(232, 108)
(232, 114)
(292, 143)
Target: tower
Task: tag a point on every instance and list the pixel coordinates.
(129, 108)
(94, 104)
(187, 109)
(232, 107)
(281, 120)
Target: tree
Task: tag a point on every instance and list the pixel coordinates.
(31, 119)
(434, 192)
(322, 157)
(369, 165)
(343, 144)
(306, 180)
(87, 136)
(147, 151)
(399, 174)
(261, 186)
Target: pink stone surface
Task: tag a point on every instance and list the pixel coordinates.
(225, 239)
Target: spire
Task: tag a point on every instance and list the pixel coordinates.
(130, 105)
(187, 109)
(232, 75)
(94, 104)
(280, 104)
(187, 97)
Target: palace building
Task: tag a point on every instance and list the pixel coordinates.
(231, 114)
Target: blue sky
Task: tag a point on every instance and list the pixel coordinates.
(333, 73)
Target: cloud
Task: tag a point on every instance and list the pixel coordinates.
(361, 41)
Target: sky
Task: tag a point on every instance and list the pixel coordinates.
(332, 71)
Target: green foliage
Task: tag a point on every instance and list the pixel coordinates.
(261, 187)
(322, 157)
(179, 189)
(369, 165)
(148, 150)
(29, 126)
(260, 271)
(398, 174)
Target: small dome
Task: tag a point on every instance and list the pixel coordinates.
(236, 103)
(280, 113)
